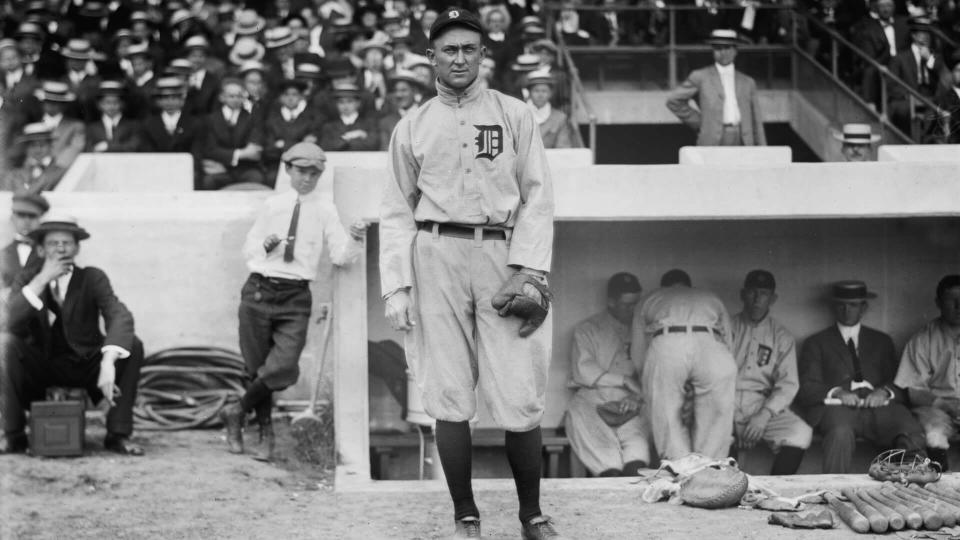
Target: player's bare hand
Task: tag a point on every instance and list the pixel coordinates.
(754, 429)
(632, 385)
(55, 266)
(397, 311)
(847, 398)
(877, 398)
(629, 404)
(271, 243)
(358, 230)
(106, 381)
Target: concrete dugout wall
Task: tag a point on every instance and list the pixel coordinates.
(896, 226)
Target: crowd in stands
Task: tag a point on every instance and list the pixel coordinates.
(235, 84)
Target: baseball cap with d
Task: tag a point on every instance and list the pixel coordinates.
(455, 16)
(759, 279)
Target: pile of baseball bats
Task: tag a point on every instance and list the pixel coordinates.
(895, 507)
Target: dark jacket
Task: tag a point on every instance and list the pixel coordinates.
(825, 362)
(185, 138)
(334, 129)
(126, 136)
(89, 297)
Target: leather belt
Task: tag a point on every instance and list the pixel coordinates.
(685, 329)
(280, 282)
(462, 231)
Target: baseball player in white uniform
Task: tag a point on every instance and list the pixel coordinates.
(466, 236)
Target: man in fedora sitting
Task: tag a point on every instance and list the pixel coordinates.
(846, 384)
(857, 142)
(350, 129)
(728, 112)
(39, 171)
(54, 339)
(69, 135)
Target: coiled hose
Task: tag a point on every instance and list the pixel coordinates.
(185, 387)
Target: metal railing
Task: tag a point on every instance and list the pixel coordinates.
(579, 108)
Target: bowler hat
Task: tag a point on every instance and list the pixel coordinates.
(724, 36)
(55, 91)
(759, 279)
(30, 203)
(857, 134)
(304, 154)
(455, 16)
(246, 50)
(58, 223)
(37, 131)
(851, 290)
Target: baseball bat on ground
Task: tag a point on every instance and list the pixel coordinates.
(913, 518)
(878, 523)
(945, 512)
(848, 513)
(896, 520)
(943, 492)
(948, 506)
(931, 520)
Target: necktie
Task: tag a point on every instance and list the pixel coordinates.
(292, 233)
(857, 371)
(55, 291)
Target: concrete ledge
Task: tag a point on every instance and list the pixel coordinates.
(133, 172)
(735, 155)
(919, 152)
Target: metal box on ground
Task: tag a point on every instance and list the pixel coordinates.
(56, 428)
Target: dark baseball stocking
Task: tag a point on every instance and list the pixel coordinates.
(456, 454)
(524, 454)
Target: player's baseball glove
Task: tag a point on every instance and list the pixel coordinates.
(898, 465)
(714, 487)
(526, 297)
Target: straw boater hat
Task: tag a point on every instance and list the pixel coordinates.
(857, 134)
(251, 65)
(851, 290)
(390, 16)
(724, 36)
(138, 49)
(196, 42)
(920, 24)
(540, 76)
(37, 131)
(180, 66)
(78, 49)
(375, 43)
(54, 223)
(280, 36)
(94, 10)
(181, 16)
(122, 33)
(111, 88)
(55, 91)
(169, 86)
(30, 29)
(346, 90)
(526, 62)
(307, 71)
(9, 44)
(248, 23)
(542, 44)
(142, 16)
(407, 76)
(246, 50)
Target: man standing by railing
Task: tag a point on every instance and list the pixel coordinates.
(728, 112)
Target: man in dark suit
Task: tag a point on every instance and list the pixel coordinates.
(846, 384)
(286, 123)
(54, 339)
(78, 52)
(40, 171)
(880, 36)
(233, 143)
(946, 129)
(26, 211)
(405, 87)
(202, 84)
(350, 129)
(114, 131)
(142, 81)
(172, 129)
(921, 68)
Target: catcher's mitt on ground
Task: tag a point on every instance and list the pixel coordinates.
(898, 465)
(714, 487)
(524, 296)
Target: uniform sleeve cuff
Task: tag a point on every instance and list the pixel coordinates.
(833, 391)
(32, 298)
(121, 352)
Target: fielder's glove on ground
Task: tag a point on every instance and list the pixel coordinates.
(524, 296)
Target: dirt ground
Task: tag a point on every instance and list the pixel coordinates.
(187, 486)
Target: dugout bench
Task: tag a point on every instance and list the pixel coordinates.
(384, 446)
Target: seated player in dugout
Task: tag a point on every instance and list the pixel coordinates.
(928, 371)
(606, 421)
(282, 251)
(846, 384)
(54, 339)
(767, 379)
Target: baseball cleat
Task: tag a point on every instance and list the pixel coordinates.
(539, 528)
(468, 527)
